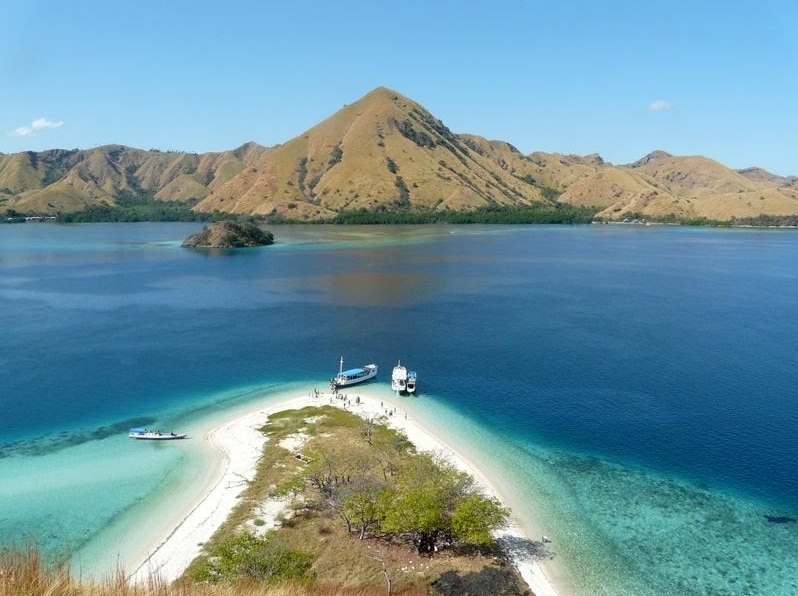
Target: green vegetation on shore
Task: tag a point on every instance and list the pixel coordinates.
(361, 501)
(143, 208)
(132, 207)
(767, 221)
(554, 213)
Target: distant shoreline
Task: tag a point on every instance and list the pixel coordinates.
(51, 219)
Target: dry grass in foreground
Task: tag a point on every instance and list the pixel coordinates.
(24, 572)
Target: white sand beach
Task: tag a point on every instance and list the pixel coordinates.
(239, 445)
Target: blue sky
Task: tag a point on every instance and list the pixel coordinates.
(618, 78)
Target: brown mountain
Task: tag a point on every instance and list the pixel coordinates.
(664, 186)
(696, 186)
(386, 152)
(383, 152)
(65, 181)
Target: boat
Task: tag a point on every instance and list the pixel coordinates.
(353, 376)
(399, 378)
(154, 435)
(411, 381)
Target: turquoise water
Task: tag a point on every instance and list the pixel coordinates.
(636, 385)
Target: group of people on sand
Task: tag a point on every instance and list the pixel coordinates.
(335, 393)
(343, 397)
(389, 411)
(348, 402)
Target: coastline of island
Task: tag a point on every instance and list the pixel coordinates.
(238, 444)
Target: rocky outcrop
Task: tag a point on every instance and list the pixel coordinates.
(228, 234)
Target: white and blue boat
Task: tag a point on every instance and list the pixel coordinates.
(411, 382)
(154, 435)
(353, 376)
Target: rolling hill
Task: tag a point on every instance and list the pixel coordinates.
(61, 181)
(387, 153)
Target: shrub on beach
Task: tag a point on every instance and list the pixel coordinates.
(244, 556)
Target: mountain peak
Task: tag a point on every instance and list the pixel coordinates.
(653, 156)
(382, 151)
(383, 92)
(382, 98)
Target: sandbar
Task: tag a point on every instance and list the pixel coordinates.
(239, 443)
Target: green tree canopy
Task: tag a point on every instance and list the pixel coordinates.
(476, 517)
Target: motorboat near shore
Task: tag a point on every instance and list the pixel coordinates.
(399, 378)
(411, 381)
(154, 435)
(353, 376)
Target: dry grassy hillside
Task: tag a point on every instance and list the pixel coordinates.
(560, 172)
(383, 152)
(60, 181)
(763, 176)
(698, 187)
(692, 176)
(611, 186)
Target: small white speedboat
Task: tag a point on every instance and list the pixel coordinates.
(399, 378)
(411, 381)
(154, 435)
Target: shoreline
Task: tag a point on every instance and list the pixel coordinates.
(239, 444)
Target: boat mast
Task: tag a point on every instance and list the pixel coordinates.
(341, 366)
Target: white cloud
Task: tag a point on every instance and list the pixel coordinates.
(35, 127)
(660, 106)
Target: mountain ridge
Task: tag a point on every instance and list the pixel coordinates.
(387, 153)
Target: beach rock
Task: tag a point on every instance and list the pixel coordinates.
(228, 234)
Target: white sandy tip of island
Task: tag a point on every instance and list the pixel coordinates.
(239, 443)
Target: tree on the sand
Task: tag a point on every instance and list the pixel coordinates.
(364, 503)
(476, 517)
(419, 511)
(430, 492)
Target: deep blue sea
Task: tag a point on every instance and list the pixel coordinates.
(639, 385)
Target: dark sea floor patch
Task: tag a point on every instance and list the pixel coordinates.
(47, 445)
(780, 519)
